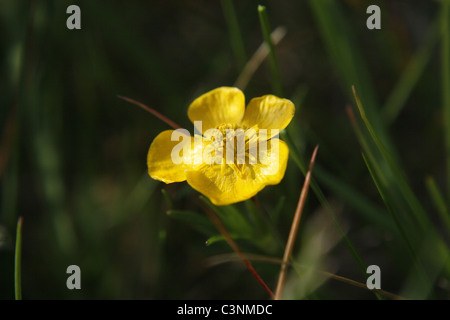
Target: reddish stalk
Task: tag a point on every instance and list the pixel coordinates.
(7, 139)
(215, 219)
(152, 111)
(351, 115)
(294, 228)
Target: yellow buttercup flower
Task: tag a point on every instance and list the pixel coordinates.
(235, 152)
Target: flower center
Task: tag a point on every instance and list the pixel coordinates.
(235, 148)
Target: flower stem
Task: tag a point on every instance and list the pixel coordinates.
(294, 228)
(215, 219)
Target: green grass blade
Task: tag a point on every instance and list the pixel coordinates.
(445, 57)
(18, 261)
(345, 191)
(302, 166)
(234, 221)
(398, 177)
(370, 211)
(275, 71)
(167, 198)
(381, 187)
(381, 173)
(199, 222)
(237, 44)
(321, 196)
(256, 216)
(412, 220)
(410, 77)
(421, 278)
(347, 60)
(439, 202)
(220, 237)
(265, 233)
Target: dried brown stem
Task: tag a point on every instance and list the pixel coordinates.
(294, 229)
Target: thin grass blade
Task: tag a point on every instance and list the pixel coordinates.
(275, 71)
(18, 261)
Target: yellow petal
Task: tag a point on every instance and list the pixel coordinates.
(268, 112)
(168, 160)
(219, 106)
(222, 185)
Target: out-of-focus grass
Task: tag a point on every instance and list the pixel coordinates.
(73, 156)
(18, 261)
(445, 59)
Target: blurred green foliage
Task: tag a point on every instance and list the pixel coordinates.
(73, 155)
